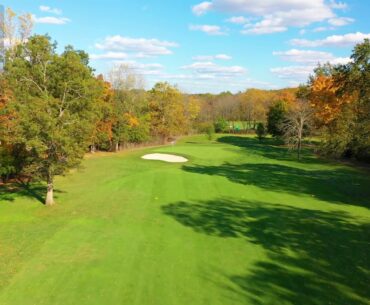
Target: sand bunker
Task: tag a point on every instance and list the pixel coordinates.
(165, 157)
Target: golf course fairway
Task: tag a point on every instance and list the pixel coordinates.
(242, 222)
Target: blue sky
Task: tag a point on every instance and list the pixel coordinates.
(206, 46)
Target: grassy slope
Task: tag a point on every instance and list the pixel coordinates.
(241, 223)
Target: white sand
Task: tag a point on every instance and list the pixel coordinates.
(165, 157)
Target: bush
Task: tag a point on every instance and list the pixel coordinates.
(261, 131)
(206, 128)
(221, 125)
(7, 164)
(275, 118)
(210, 132)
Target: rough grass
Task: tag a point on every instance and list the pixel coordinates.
(241, 223)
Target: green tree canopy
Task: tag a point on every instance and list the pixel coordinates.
(54, 97)
(275, 117)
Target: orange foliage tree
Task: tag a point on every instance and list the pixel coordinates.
(325, 100)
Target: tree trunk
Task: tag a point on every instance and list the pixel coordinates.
(299, 148)
(49, 194)
(300, 133)
(92, 148)
(164, 139)
(117, 147)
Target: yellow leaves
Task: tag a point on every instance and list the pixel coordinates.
(325, 100)
(288, 96)
(193, 108)
(132, 120)
(105, 127)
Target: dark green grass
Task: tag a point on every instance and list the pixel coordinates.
(241, 223)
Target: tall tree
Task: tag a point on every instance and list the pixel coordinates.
(192, 111)
(355, 80)
(167, 111)
(54, 96)
(102, 135)
(128, 100)
(340, 96)
(296, 125)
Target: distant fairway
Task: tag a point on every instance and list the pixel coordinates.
(240, 223)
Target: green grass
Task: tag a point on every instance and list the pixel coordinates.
(242, 223)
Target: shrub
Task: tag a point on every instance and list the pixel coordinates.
(221, 125)
(261, 131)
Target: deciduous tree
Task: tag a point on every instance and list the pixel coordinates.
(296, 125)
(54, 96)
(167, 111)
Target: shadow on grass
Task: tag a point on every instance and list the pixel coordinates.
(270, 148)
(335, 186)
(16, 190)
(313, 257)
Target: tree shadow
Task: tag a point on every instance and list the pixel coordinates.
(270, 148)
(335, 186)
(313, 257)
(37, 191)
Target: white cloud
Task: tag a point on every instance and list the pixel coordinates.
(141, 46)
(303, 56)
(262, 7)
(322, 29)
(212, 57)
(223, 57)
(109, 55)
(193, 83)
(298, 73)
(210, 69)
(340, 60)
(51, 20)
(238, 20)
(208, 29)
(266, 26)
(48, 9)
(340, 21)
(201, 8)
(338, 5)
(140, 68)
(310, 57)
(349, 39)
(274, 16)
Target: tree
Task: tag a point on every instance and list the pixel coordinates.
(275, 118)
(296, 125)
(355, 79)
(15, 29)
(193, 107)
(340, 96)
(103, 127)
(167, 111)
(260, 131)
(221, 125)
(128, 99)
(325, 100)
(54, 96)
